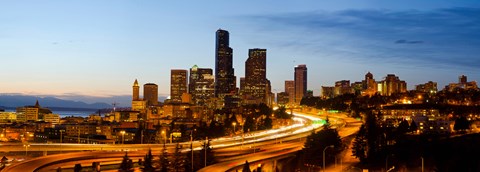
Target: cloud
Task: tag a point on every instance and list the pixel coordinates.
(366, 35)
(402, 41)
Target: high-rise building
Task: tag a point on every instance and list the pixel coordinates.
(150, 94)
(242, 86)
(201, 85)
(370, 85)
(290, 90)
(178, 84)
(136, 91)
(255, 91)
(225, 83)
(300, 82)
(392, 84)
(429, 87)
(137, 103)
(342, 87)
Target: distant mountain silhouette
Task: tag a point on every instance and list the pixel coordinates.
(13, 101)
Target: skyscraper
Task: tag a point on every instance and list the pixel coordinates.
(300, 82)
(256, 76)
(290, 90)
(224, 73)
(201, 85)
(178, 84)
(136, 91)
(392, 84)
(150, 94)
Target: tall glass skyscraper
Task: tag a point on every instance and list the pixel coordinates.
(225, 83)
(300, 82)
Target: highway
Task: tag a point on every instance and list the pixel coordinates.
(232, 150)
(346, 127)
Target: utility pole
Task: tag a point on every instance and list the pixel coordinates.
(206, 140)
(191, 146)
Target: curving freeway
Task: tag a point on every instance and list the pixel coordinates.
(234, 151)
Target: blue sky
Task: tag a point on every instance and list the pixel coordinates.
(98, 48)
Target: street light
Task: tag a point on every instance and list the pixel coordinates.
(26, 148)
(234, 124)
(191, 145)
(164, 136)
(123, 136)
(331, 146)
(422, 164)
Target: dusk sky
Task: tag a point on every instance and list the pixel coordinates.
(98, 48)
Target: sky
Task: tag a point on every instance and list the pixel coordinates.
(90, 48)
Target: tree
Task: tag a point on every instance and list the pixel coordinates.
(359, 148)
(178, 159)
(281, 113)
(267, 123)
(147, 163)
(4, 161)
(164, 159)
(403, 127)
(413, 126)
(249, 124)
(246, 167)
(77, 168)
(126, 165)
(318, 141)
(369, 141)
(461, 124)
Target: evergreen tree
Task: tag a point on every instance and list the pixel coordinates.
(178, 158)
(164, 160)
(318, 141)
(246, 167)
(413, 126)
(126, 165)
(359, 148)
(77, 168)
(461, 124)
(147, 163)
(403, 127)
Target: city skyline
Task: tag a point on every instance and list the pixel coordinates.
(57, 49)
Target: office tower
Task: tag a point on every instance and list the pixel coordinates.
(290, 90)
(136, 91)
(242, 86)
(300, 82)
(225, 83)
(255, 90)
(392, 84)
(201, 85)
(150, 94)
(178, 84)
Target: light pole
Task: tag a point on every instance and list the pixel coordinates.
(164, 137)
(123, 136)
(206, 140)
(234, 124)
(422, 164)
(331, 146)
(26, 148)
(61, 134)
(191, 146)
